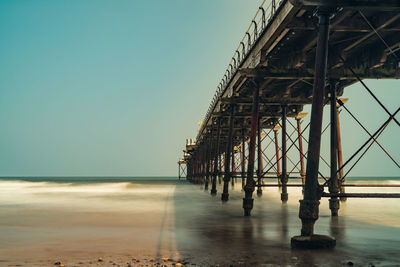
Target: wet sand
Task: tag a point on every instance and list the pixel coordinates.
(175, 222)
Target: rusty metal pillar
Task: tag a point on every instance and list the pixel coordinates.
(197, 167)
(309, 206)
(194, 167)
(278, 164)
(200, 176)
(188, 170)
(250, 183)
(259, 158)
(340, 157)
(208, 159)
(302, 169)
(284, 176)
(243, 157)
(233, 165)
(228, 173)
(200, 164)
(216, 169)
(333, 181)
(221, 160)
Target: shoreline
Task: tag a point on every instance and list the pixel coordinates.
(41, 225)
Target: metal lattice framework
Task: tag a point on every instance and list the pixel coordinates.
(296, 53)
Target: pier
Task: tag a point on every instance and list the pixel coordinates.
(296, 53)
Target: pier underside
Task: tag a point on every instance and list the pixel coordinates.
(296, 53)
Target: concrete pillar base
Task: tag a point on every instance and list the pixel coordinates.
(312, 242)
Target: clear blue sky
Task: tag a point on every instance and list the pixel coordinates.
(115, 87)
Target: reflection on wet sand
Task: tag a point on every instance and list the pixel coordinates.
(264, 237)
(170, 219)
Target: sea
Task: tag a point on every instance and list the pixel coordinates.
(78, 220)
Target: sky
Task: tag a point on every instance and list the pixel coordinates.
(113, 88)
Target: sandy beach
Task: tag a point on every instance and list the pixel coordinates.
(169, 222)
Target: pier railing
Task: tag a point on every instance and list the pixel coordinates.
(261, 20)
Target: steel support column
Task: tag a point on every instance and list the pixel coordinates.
(340, 157)
(233, 165)
(302, 169)
(216, 169)
(208, 159)
(250, 183)
(221, 159)
(309, 206)
(259, 158)
(228, 173)
(188, 170)
(243, 158)
(333, 181)
(284, 176)
(278, 164)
